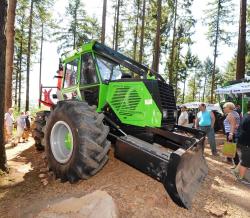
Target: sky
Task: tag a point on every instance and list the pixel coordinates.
(94, 7)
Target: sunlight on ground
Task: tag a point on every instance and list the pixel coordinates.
(3, 193)
(19, 166)
(13, 152)
(217, 162)
(231, 189)
(17, 173)
(25, 168)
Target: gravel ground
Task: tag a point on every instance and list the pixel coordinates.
(23, 193)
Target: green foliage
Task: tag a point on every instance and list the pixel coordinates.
(219, 15)
(230, 71)
(77, 27)
(42, 13)
(182, 32)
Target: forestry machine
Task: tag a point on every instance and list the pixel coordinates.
(104, 98)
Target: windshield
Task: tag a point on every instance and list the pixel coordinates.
(110, 70)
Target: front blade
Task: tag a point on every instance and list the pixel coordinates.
(186, 171)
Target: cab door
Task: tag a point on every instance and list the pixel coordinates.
(89, 80)
(70, 80)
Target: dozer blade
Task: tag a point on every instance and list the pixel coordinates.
(186, 171)
(181, 171)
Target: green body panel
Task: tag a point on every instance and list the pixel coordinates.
(102, 101)
(131, 101)
(133, 104)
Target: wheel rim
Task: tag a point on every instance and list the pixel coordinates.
(61, 141)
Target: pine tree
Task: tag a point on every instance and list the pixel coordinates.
(137, 3)
(21, 44)
(157, 51)
(241, 54)
(183, 23)
(104, 21)
(208, 70)
(3, 14)
(142, 31)
(172, 58)
(10, 35)
(47, 25)
(117, 24)
(81, 28)
(218, 15)
(29, 55)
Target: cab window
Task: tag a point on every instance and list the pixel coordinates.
(88, 71)
(70, 78)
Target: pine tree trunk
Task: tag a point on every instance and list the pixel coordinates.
(10, 34)
(40, 67)
(3, 9)
(74, 31)
(215, 53)
(172, 57)
(178, 46)
(142, 31)
(117, 25)
(136, 30)
(241, 54)
(104, 21)
(114, 29)
(16, 82)
(204, 89)
(194, 89)
(20, 65)
(28, 57)
(156, 60)
(183, 94)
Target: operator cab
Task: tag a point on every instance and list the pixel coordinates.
(81, 79)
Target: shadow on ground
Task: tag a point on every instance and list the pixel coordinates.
(136, 194)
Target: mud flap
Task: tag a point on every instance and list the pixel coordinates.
(187, 169)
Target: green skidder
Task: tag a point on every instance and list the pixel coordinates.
(103, 97)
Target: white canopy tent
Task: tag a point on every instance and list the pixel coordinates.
(211, 107)
(239, 88)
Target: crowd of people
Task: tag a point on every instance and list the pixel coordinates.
(236, 129)
(21, 123)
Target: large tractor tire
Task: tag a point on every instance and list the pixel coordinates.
(38, 130)
(76, 141)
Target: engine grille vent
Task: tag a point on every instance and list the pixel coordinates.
(167, 103)
(125, 100)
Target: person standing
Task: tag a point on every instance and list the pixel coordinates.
(205, 121)
(183, 118)
(8, 123)
(231, 124)
(26, 132)
(20, 126)
(244, 144)
(238, 110)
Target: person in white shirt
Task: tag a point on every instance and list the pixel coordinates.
(8, 123)
(21, 125)
(183, 118)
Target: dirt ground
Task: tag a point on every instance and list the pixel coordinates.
(22, 193)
